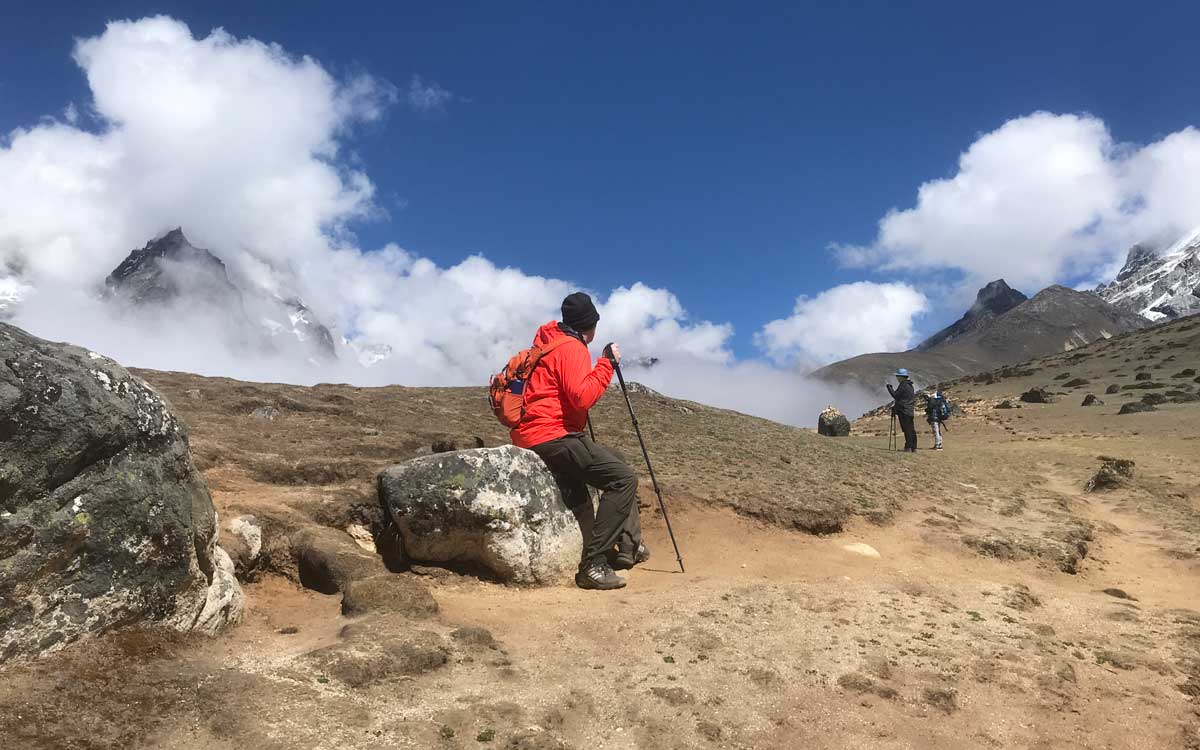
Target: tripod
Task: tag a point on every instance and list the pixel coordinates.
(892, 442)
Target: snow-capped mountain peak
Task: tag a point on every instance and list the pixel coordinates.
(1159, 284)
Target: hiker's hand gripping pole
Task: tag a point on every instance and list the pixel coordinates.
(638, 431)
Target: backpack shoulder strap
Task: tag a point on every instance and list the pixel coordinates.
(554, 344)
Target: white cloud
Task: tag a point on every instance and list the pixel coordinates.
(844, 321)
(428, 97)
(240, 143)
(1044, 198)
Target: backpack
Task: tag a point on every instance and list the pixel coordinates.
(506, 394)
(941, 408)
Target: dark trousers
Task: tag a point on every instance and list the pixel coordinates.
(910, 431)
(576, 462)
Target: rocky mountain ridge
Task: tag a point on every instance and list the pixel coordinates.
(1159, 282)
(993, 333)
(171, 273)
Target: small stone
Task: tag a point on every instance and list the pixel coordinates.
(1119, 594)
(865, 550)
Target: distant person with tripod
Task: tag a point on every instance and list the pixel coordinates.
(904, 405)
(557, 396)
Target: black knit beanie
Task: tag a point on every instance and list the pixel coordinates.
(578, 312)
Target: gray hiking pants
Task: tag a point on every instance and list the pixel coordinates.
(576, 462)
(937, 433)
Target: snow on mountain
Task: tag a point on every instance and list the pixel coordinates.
(368, 354)
(1159, 284)
(12, 291)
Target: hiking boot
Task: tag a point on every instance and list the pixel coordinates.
(598, 575)
(627, 558)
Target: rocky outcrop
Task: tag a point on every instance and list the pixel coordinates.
(1037, 396)
(1091, 400)
(832, 423)
(104, 521)
(1113, 473)
(498, 508)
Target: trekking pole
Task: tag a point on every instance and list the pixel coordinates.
(591, 430)
(637, 431)
(892, 434)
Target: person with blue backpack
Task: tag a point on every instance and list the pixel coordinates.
(937, 411)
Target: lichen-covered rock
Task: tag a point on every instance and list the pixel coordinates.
(104, 521)
(833, 423)
(496, 507)
(1091, 400)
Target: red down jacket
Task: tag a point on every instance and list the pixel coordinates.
(560, 390)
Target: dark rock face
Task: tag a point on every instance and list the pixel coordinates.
(1037, 396)
(832, 423)
(1143, 376)
(1114, 388)
(104, 521)
(1154, 399)
(1006, 404)
(993, 300)
(171, 273)
(1091, 400)
(168, 268)
(499, 508)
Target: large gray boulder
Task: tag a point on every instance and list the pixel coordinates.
(104, 521)
(495, 507)
(832, 423)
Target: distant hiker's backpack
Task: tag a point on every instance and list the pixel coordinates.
(507, 391)
(941, 408)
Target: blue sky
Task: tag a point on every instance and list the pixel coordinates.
(712, 149)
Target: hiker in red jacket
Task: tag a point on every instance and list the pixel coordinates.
(558, 395)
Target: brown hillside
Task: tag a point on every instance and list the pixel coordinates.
(1008, 606)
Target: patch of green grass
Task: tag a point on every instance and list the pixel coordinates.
(669, 659)
(486, 735)
(446, 732)
(323, 680)
(975, 616)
